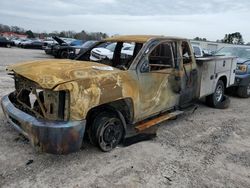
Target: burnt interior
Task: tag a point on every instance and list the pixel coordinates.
(120, 58)
(161, 57)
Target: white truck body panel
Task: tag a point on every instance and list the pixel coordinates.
(211, 69)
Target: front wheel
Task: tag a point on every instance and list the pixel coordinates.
(106, 131)
(244, 91)
(216, 98)
(64, 55)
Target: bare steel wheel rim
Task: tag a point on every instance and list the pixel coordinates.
(219, 93)
(111, 134)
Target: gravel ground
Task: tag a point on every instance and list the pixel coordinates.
(209, 148)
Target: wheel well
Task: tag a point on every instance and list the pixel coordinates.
(224, 80)
(62, 51)
(122, 107)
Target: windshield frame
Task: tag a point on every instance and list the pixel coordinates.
(85, 55)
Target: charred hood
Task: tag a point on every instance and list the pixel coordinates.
(50, 73)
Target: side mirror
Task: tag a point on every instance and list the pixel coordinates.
(145, 67)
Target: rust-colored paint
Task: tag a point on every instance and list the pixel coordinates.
(91, 84)
(139, 38)
(163, 117)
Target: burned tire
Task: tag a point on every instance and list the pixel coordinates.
(244, 91)
(215, 99)
(106, 131)
(224, 103)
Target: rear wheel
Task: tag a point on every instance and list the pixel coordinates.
(244, 91)
(216, 98)
(106, 131)
(8, 45)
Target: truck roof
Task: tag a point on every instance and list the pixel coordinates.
(139, 38)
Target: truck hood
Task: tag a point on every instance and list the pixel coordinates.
(242, 60)
(50, 73)
(59, 40)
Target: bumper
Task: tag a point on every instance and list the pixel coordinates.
(242, 80)
(57, 137)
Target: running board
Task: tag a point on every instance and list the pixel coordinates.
(157, 120)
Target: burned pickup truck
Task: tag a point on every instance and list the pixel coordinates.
(57, 103)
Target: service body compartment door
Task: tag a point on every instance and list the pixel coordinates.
(227, 67)
(207, 77)
(223, 65)
(213, 68)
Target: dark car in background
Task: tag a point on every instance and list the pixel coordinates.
(32, 44)
(48, 48)
(4, 42)
(47, 43)
(98, 44)
(76, 50)
(242, 77)
(64, 46)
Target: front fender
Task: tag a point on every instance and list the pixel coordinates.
(87, 94)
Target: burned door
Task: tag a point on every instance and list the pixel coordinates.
(155, 75)
(189, 78)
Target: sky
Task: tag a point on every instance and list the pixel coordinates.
(210, 19)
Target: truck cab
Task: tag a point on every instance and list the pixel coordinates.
(112, 98)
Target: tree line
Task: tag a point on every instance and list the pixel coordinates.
(231, 38)
(83, 35)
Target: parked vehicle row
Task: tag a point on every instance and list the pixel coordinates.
(63, 47)
(60, 44)
(4, 42)
(69, 48)
(22, 43)
(34, 44)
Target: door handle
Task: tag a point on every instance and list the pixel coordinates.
(224, 63)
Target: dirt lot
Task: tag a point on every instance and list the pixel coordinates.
(210, 148)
